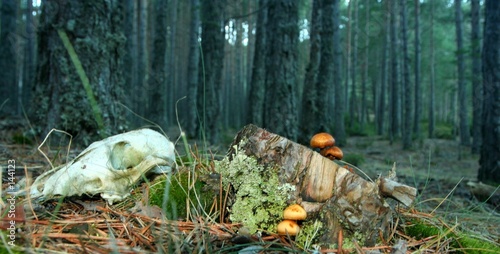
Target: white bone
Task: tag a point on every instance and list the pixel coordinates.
(109, 167)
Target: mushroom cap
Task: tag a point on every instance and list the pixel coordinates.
(294, 212)
(332, 153)
(322, 140)
(289, 227)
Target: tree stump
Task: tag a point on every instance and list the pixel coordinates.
(341, 200)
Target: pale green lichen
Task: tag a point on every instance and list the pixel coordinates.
(260, 198)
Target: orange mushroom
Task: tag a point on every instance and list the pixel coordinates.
(332, 153)
(322, 140)
(289, 227)
(294, 212)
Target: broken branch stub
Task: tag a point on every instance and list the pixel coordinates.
(332, 194)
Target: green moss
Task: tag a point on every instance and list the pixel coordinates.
(260, 198)
(181, 191)
(459, 241)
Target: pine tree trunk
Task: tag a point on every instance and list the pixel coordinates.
(211, 66)
(384, 77)
(326, 68)
(364, 106)
(99, 45)
(339, 126)
(489, 171)
(430, 128)
(157, 80)
(281, 65)
(8, 60)
(257, 84)
(309, 117)
(418, 95)
(462, 93)
(141, 101)
(29, 57)
(395, 92)
(477, 88)
(407, 115)
(130, 63)
(192, 119)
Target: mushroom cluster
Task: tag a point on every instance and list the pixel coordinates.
(291, 215)
(326, 144)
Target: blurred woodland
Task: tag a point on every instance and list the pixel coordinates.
(402, 69)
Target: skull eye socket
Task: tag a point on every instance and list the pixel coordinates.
(123, 156)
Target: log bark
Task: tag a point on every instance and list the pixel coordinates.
(341, 200)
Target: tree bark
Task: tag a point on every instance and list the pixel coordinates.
(384, 77)
(98, 45)
(489, 171)
(462, 94)
(29, 57)
(211, 62)
(324, 84)
(418, 96)
(353, 101)
(256, 95)
(281, 65)
(407, 116)
(341, 200)
(477, 88)
(192, 119)
(395, 91)
(8, 60)
(309, 117)
(130, 63)
(339, 126)
(157, 82)
(432, 68)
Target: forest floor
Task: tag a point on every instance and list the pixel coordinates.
(440, 170)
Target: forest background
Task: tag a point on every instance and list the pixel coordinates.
(404, 70)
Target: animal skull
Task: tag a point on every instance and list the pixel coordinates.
(109, 167)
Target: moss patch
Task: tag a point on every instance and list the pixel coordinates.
(259, 197)
(459, 241)
(181, 190)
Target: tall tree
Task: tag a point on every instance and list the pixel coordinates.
(432, 94)
(211, 64)
(339, 126)
(364, 77)
(477, 88)
(256, 94)
(418, 96)
(193, 71)
(384, 77)
(130, 63)
(8, 63)
(310, 115)
(407, 116)
(462, 94)
(78, 72)
(325, 75)
(157, 81)
(141, 101)
(489, 161)
(395, 105)
(29, 57)
(353, 101)
(280, 114)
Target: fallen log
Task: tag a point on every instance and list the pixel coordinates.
(341, 201)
